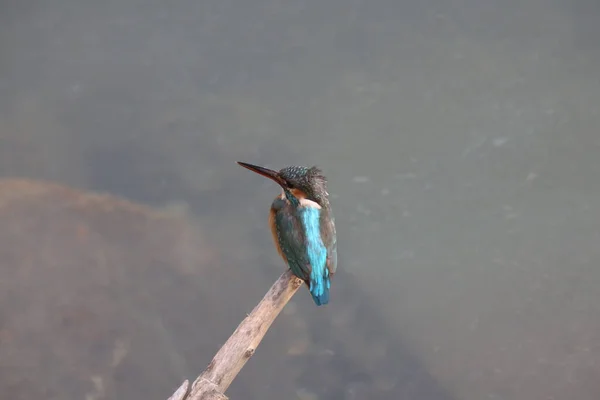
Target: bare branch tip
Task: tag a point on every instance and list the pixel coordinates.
(181, 393)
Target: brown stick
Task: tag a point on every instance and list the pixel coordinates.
(241, 345)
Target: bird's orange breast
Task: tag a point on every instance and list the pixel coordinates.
(275, 234)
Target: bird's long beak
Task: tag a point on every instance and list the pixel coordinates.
(269, 173)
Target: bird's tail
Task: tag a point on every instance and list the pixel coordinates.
(322, 299)
(319, 290)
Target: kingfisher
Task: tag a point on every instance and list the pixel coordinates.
(303, 226)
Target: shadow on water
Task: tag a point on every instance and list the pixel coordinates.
(368, 358)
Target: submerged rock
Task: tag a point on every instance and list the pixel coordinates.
(83, 278)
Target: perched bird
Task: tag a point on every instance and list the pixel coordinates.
(303, 227)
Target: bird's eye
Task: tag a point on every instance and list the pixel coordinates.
(290, 185)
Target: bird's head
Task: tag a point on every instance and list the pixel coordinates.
(301, 182)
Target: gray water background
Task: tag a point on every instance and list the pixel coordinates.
(460, 139)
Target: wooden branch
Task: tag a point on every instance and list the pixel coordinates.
(241, 345)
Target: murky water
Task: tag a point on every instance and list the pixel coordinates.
(460, 138)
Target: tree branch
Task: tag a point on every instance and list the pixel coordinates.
(241, 345)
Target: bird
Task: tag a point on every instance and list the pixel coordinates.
(303, 226)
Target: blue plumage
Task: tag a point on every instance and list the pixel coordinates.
(303, 227)
(316, 254)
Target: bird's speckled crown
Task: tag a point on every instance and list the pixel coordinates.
(311, 181)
